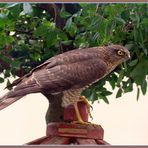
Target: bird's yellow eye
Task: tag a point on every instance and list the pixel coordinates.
(120, 53)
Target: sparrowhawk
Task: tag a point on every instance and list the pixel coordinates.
(70, 73)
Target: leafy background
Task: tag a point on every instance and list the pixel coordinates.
(31, 33)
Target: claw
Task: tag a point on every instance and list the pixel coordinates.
(91, 107)
(81, 122)
(79, 118)
(85, 123)
(83, 99)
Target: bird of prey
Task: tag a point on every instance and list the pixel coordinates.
(70, 73)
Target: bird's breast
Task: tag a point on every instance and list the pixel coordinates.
(71, 96)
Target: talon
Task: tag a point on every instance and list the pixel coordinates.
(91, 118)
(83, 99)
(91, 107)
(93, 124)
(81, 122)
(85, 123)
(79, 118)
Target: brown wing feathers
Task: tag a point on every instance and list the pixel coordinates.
(73, 69)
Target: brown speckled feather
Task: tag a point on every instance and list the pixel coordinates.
(69, 72)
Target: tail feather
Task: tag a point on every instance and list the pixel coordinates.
(16, 94)
(22, 87)
(5, 102)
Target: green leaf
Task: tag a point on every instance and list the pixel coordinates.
(140, 71)
(127, 86)
(121, 76)
(145, 50)
(119, 93)
(64, 14)
(133, 63)
(5, 40)
(15, 10)
(10, 5)
(68, 23)
(1, 80)
(2, 23)
(6, 73)
(66, 42)
(119, 19)
(45, 29)
(16, 64)
(5, 58)
(61, 35)
(138, 93)
(105, 99)
(27, 8)
(41, 31)
(144, 22)
(144, 87)
(113, 80)
(8, 84)
(87, 92)
(91, 98)
(72, 29)
(80, 41)
(107, 93)
(51, 38)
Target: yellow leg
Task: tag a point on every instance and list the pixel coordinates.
(83, 99)
(79, 119)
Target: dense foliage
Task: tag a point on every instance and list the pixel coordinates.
(32, 33)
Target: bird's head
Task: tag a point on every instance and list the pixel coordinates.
(118, 53)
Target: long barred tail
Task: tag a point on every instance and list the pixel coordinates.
(6, 101)
(18, 92)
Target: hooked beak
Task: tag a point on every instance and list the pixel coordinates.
(128, 55)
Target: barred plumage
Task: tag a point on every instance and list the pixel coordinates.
(69, 72)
